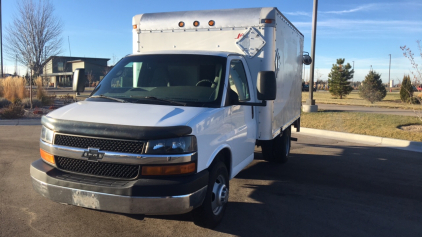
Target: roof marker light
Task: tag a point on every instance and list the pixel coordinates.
(135, 27)
(211, 23)
(196, 23)
(181, 24)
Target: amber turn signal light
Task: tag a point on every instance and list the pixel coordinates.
(47, 156)
(268, 21)
(169, 169)
(181, 24)
(211, 23)
(196, 23)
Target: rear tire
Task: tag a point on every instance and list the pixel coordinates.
(278, 149)
(210, 214)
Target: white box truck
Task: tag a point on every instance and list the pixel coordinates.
(172, 123)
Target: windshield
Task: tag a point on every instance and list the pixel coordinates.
(192, 80)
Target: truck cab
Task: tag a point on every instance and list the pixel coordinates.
(172, 123)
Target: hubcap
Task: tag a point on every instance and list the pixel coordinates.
(220, 195)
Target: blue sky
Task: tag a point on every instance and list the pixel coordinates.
(362, 31)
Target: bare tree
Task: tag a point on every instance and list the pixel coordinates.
(34, 35)
(417, 76)
(90, 77)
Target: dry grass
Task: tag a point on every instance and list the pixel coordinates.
(392, 100)
(13, 88)
(41, 93)
(363, 123)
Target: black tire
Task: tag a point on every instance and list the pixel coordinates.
(278, 149)
(210, 214)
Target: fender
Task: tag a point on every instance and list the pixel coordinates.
(216, 152)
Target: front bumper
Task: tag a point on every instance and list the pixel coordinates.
(163, 196)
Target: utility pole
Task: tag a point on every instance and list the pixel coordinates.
(353, 84)
(1, 41)
(68, 40)
(310, 102)
(389, 68)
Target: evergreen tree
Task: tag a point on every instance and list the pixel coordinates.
(372, 88)
(338, 79)
(406, 90)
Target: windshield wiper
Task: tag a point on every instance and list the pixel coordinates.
(107, 97)
(163, 100)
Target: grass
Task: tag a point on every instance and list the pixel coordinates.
(363, 123)
(392, 100)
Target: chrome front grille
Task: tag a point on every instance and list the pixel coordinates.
(124, 146)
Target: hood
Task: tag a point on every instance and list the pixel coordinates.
(127, 113)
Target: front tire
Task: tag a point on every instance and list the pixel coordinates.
(210, 214)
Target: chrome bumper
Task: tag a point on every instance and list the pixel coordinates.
(121, 204)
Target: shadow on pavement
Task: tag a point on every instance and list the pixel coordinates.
(359, 191)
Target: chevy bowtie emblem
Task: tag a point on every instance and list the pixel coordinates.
(93, 154)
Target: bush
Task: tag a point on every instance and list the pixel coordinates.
(35, 103)
(4, 102)
(372, 88)
(13, 88)
(406, 90)
(13, 111)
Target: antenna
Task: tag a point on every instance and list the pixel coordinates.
(68, 40)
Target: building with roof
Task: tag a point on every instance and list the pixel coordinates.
(58, 70)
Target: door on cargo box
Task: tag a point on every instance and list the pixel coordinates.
(239, 87)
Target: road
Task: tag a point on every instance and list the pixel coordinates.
(328, 188)
(364, 109)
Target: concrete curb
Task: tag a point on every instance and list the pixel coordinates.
(15, 122)
(364, 139)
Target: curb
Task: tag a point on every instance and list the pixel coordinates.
(364, 139)
(15, 122)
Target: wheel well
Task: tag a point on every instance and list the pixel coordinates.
(225, 156)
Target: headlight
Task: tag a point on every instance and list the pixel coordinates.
(172, 146)
(47, 135)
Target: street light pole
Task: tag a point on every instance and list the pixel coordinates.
(310, 102)
(389, 68)
(1, 41)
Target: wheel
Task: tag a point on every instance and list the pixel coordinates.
(205, 82)
(210, 214)
(278, 149)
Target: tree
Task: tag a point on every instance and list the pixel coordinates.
(34, 35)
(338, 79)
(372, 88)
(406, 89)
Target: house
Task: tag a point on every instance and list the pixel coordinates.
(58, 70)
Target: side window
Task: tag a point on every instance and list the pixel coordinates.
(238, 81)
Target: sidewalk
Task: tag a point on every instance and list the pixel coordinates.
(363, 139)
(15, 122)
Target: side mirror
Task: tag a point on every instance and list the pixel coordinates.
(307, 60)
(79, 79)
(266, 85)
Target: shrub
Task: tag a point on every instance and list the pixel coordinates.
(372, 88)
(13, 88)
(406, 90)
(13, 111)
(4, 102)
(35, 103)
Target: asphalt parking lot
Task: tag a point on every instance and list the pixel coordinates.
(328, 188)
